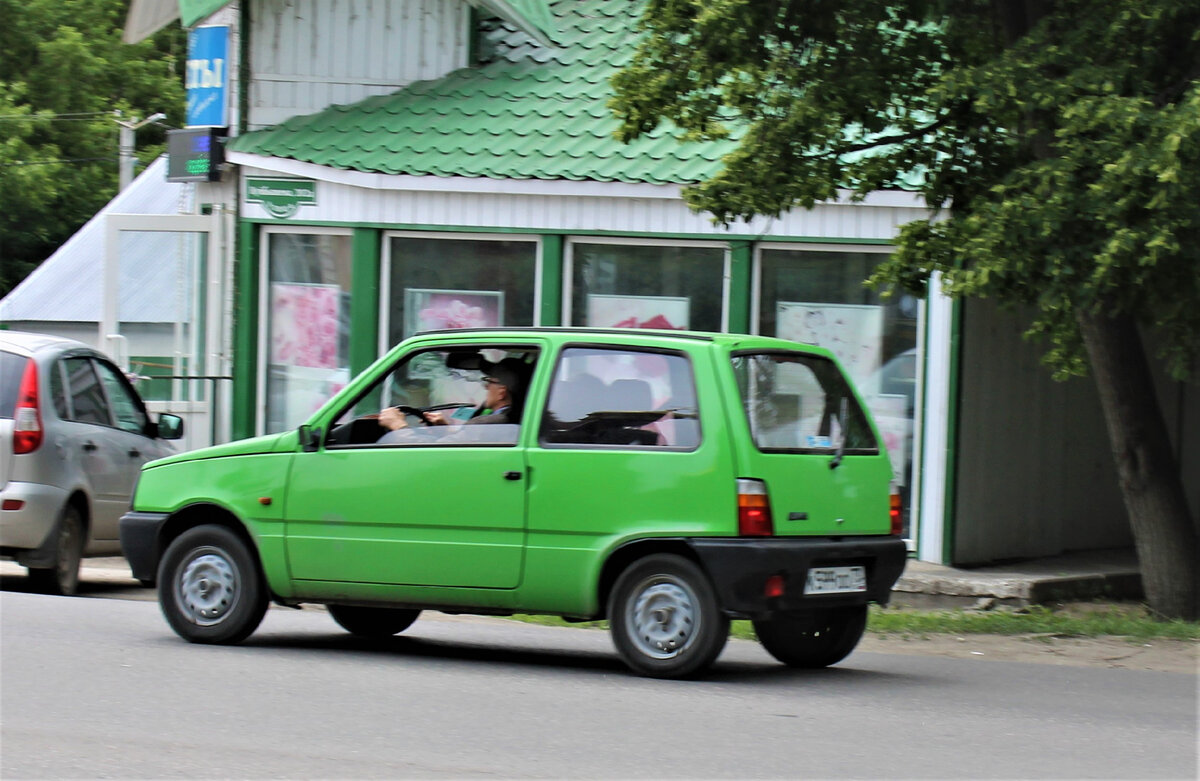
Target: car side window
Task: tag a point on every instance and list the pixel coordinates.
(88, 404)
(621, 397)
(442, 397)
(59, 391)
(128, 413)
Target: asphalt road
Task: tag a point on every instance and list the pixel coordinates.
(101, 688)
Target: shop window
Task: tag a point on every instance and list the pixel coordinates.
(439, 283)
(818, 297)
(308, 324)
(647, 286)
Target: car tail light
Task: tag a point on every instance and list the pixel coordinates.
(27, 418)
(896, 512)
(754, 509)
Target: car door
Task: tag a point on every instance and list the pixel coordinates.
(89, 437)
(432, 506)
(128, 439)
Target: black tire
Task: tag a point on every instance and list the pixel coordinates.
(664, 618)
(816, 639)
(63, 577)
(210, 587)
(373, 621)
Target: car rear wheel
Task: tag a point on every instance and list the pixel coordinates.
(816, 639)
(373, 621)
(210, 586)
(664, 618)
(63, 577)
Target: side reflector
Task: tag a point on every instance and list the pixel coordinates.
(773, 587)
(12, 504)
(896, 512)
(754, 509)
(27, 419)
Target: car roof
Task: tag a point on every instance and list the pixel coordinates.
(645, 335)
(28, 343)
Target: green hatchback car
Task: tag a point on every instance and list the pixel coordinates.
(665, 481)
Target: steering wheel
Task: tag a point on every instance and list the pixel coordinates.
(415, 412)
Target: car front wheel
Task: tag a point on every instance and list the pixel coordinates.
(210, 587)
(664, 618)
(816, 639)
(373, 621)
(63, 577)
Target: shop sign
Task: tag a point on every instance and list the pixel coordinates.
(282, 198)
(207, 76)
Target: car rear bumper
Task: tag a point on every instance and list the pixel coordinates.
(26, 527)
(740, 567)
(139, 542)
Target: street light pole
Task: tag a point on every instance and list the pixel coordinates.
(125, 144)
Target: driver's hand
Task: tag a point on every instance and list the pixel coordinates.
(435, 418)
(393, 419)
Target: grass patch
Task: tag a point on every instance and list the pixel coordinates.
(1084, 619)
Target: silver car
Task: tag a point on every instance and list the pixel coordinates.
(73, 437)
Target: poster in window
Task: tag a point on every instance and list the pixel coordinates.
(304, 325)
(435, 310)
(664, 312)
(852, 332)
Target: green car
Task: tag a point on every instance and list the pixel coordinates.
(665, 481)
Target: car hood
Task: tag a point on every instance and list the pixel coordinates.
(270, 443)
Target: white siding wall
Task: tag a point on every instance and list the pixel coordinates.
(306, 55)
(582, 212)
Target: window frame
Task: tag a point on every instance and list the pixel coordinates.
(385, 272)
(568, 277)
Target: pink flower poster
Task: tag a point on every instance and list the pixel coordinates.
(436, 310)
(658, 312)
(304, 325)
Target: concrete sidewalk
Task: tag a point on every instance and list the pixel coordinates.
(1084, 576)
(1071, 577)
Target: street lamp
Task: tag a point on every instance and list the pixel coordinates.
(125, 144)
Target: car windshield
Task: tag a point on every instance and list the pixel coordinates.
(797, 402)
(12, 370)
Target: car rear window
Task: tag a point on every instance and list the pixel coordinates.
(12, 370)
(797, 402)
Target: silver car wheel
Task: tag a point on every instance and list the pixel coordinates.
(662, 617)
(208, 587)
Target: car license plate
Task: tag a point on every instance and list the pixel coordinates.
(836, 580)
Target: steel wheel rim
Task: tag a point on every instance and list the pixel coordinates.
(662, 618)
(208, 587)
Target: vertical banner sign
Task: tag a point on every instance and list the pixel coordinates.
(207, 76)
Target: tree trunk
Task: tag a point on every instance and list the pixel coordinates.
(1151, 484)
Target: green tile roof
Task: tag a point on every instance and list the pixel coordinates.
(532, 113)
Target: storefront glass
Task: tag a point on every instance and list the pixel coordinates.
(437, 283)
(308, 324)
(647, 286)
(818, 297)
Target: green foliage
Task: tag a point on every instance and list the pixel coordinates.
(1067, 145)
(63, 72)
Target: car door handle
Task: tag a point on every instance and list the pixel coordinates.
(512, 475)
(134, 452)
(89, 446)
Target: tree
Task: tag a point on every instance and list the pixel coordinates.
(1058, 140)
(63, 72)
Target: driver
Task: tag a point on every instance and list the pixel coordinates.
(503, 383)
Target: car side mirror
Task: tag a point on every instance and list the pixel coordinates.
(169, 426)
(310, 438)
